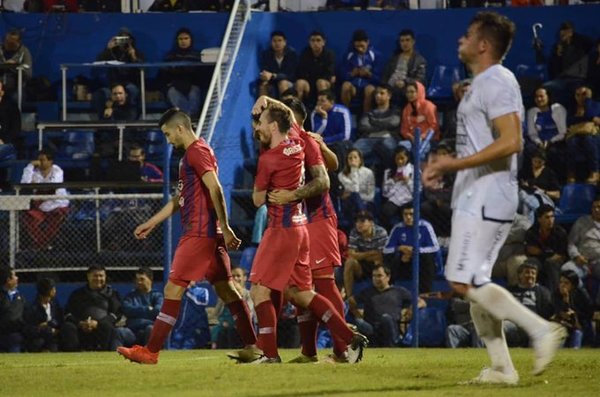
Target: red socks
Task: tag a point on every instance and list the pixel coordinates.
(267, 328)
(325, 312)
(243, 321)
(307, 325)
(327, 288)
(163, 324)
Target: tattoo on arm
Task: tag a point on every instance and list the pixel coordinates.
(318, 185)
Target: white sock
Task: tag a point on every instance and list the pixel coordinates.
(501, 304)
(490, 330)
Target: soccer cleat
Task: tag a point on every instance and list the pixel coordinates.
(356, 347)
(302, 359)
(267, 360)
(333, 358)
(246, 355)
(489, 376)
(546, 346)
(138, 354)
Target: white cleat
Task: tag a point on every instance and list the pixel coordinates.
(356, 347)
(489, 376)
(546, 346)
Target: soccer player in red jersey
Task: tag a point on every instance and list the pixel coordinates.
(322, 231)
(282, 260)
(202, 249)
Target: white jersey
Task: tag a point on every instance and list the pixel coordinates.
(493, 93)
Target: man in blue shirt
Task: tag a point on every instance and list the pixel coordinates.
(142, 305)
(401, 240)
(332, 121)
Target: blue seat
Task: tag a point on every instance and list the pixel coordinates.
(77, 145)
(575, 201)
(247, 258)
(444, 76)
(155, 136)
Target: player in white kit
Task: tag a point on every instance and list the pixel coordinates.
(485, 197)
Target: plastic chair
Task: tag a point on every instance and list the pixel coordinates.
(444, 76)
(77, 145)
(575, 201)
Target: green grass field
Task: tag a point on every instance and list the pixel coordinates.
(384, 372)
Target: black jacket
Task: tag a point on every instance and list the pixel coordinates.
(11, 313)
(10, 121)
(100, 305)
(35, 314)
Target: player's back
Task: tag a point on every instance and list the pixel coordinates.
(198, 216)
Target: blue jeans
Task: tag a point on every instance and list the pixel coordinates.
(189, 103)
(384, 333)
(7, 152)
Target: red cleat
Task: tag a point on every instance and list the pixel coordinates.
(138, 354)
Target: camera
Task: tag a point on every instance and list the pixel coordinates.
(122, 41)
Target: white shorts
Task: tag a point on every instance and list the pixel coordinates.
(474, 247)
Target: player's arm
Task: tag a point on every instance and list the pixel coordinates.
(318, 185)
(264, 102)
(330, 158)
(508, 128)
(259, 197)
(143, 230)
(210, 180)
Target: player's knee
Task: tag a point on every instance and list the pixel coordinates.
(259, 294)
(173, 291)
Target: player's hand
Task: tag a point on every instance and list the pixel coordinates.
(316, 137)
(281, 197)
(435, 168)
(143, 230)
(231, 240)
(260, 105)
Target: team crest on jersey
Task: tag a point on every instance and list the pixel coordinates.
(180, 185)
(288, 151)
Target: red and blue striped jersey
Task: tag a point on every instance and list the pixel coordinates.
(198, 215)
(282, 167)
(317, 207)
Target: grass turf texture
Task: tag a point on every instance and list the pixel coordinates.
(384, 372)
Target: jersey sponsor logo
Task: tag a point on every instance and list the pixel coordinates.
(288, 151)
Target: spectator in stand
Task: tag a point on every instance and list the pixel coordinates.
(573, 308)
(182, 88)
(149, 172)
(407, 65)
(533, 296)
(118, 108)
(191, 330)
(360, 71)
(400, 245)
(92, 314)
(13, 51)
(12, 306)
(316, 68)
(547, 128)
(120, 48)
(365, 250)
(568, 62)
(397, 187)
(10, 125)
(378, 129)
(418, 113)
(333, 122)
(378, 309)
(359, 185)
(539, 179)
(43, 319)
(142, 305)
(584, 244)
(546, 246)
(461, 330)
(277, 66)
(43, 221)
(436, 204)
(583, 125)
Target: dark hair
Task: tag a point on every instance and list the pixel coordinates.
(46, 152)
(175, 115)
(542, 210)
(317, 33)
(346, 169)
(496, 28)
(96, 267)
(146, 271)
(297, 107)
(386, 269)
(407, 32)
(528, 264)
(44, 286)
(289, 92)
(385, 86)
(363, 215)
(571, 276)
(5, 273)
(328, 93)
(117, 84)
(548, 93)
(279, 115)
(360, 35)
(407, 206)
(135, 146)
(278, 33)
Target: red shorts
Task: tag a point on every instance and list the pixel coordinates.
(199, 258)
(324, 248)
(282, 259)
